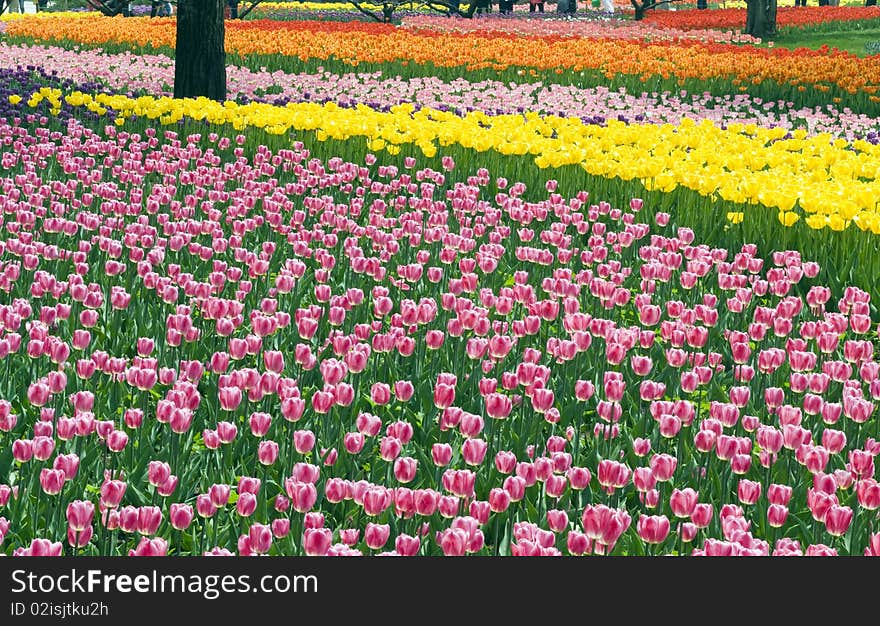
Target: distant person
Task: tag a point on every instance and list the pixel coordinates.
(870, 3)
(704, 4)
(505, 7)
(165, 10)
(608, 6)
(535, 5)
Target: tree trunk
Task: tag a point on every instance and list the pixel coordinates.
(200, 56)
(771, 18)
(639, 11)
(761, 18)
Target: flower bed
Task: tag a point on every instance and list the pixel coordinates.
(453, 398)
(796, 75)
(345, 320)
(154, 74)
(786, 18)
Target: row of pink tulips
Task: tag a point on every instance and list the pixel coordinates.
(211, 347)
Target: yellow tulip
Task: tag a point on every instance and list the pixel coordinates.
(787, 218)
(829, 183)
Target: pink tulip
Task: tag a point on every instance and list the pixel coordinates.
(219, 494)
(230, 398)
(303, 495)
(819, 503)
(180, 515)
(663, 466)
(246, 504)
(7, 420)
(43, 547)
(779, 494)
(317, 541)
(389, 448)
(260, 423)
(453, 541)
(641, 447)
(405, 469)
(280, 528)
(112, 492)
(579, 477)
(406, 545)
(682, 502)
(303, 441)
(22, 450)
(557, 520)
(653, 529)
(80, 514)
(38, 394)
(267, 452)
(702, 515)
(368, 424)
(205, 506)
(474, 451)
(149, 518)
(873, 548)
(376, 500)
(150, 547)
(838, 519)
(79, 538)
(376, 535)
(777, 515)
(380, 393)
(353, 442)
(577, 543)
(403, 390)
(748, 491)
(583, 390)
(158, 472)
(52, 481)
(5, 494)
(260, 538)
(292, 409)
(273, 360)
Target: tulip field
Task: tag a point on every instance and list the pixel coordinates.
(506, 286)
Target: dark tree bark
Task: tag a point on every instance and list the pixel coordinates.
(243, 13)
(443, 7)
(771, 18)
(646, 5)
(200, 56)
(761, 18)
(108, 7)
